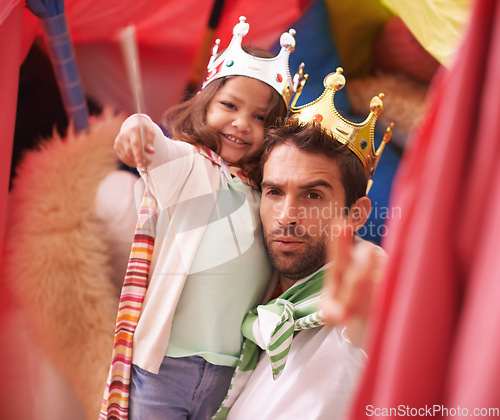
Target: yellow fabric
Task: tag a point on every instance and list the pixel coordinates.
(354, 24)
(437, 24)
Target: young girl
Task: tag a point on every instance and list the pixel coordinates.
(198, 263)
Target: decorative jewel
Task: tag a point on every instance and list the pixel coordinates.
(358, 136)
(273, 71)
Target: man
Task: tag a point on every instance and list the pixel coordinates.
(313, 198)
(313, 193)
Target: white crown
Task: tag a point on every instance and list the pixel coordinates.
(274, 71)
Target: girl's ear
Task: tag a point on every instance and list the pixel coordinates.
(359, 212)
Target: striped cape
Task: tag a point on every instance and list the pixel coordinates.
(116, 394)
(271, 328)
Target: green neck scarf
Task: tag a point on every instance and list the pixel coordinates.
(271, 328)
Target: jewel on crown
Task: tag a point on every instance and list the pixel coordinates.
(234, 61)
(358, 136)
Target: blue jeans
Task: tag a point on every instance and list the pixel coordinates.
(184, 388)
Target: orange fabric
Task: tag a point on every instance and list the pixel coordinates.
(436, 336)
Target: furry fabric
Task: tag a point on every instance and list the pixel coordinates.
(404, 101)
(57, 259)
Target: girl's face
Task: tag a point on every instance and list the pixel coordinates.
(237, 112)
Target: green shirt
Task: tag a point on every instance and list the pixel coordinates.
(228, 277)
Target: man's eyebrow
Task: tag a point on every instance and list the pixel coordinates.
(314, 184)
(269, 184)
(309, 185)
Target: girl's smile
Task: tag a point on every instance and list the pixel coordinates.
(234, 140)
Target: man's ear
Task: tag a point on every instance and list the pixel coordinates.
(359, 212)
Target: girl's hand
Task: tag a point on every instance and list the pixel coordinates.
(136, 133)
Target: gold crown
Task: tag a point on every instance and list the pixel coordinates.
(359, 137)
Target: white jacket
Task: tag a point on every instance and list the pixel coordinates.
(190, 176)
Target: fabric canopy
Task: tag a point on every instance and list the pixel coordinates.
(170, 26)
(169, 34)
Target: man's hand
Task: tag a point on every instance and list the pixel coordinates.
(349, 284)
(129, 143)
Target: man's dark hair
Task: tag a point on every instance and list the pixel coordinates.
(312, 138)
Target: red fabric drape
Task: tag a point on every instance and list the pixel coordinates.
(10, 53)
(436, 336)
(17, 32)
(178, 24)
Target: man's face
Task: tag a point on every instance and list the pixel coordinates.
(303, 203)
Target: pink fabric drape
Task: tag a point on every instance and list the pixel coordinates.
(436, 336)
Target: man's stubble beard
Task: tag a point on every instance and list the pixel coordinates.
(296, 265)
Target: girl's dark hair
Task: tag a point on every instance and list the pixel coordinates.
(312, 138)
(187, 120)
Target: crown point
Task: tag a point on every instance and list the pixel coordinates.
(335, 81)
(241, 28)
(216, 47)
(288, 41)
(376, 105)
(292, 32)
(339, 70)
(388, 133)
